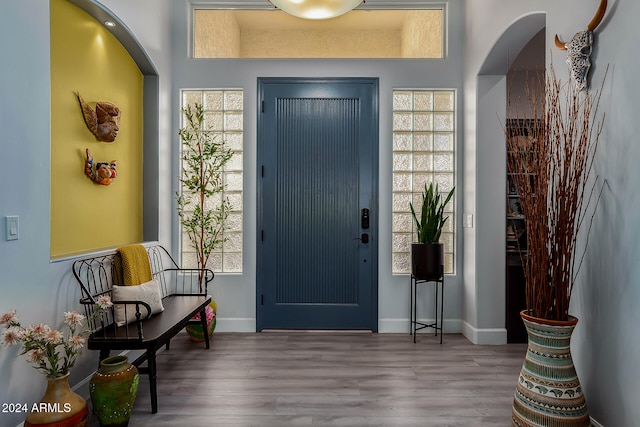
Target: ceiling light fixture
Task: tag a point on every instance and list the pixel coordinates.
(316, 9)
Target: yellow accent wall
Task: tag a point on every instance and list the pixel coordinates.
(87, 58)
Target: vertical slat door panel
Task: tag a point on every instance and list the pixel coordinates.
(317, 150)
(317, 201)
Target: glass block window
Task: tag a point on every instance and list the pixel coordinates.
(424, 137)
(223, 111)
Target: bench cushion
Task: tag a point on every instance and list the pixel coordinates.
(148, 292)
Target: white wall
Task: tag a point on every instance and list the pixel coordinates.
(606, 301)
(38, 290)
(236, 294)
(41, 290)
(606, 343)
(484, 174)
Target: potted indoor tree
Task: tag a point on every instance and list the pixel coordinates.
(552, 138)
(427, 255)
(201, 206)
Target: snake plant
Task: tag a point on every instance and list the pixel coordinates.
(432, 219)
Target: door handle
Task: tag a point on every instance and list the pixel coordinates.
(364, 238)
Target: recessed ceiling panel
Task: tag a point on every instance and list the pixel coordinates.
(356, 34)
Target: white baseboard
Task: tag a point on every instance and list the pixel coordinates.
(389, 326)
(235, 324)
(486, 336)
(401, 326)
(82, 387)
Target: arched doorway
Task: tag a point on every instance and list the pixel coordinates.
(491, 167)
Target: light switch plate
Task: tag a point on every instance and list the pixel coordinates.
(12, 227)
(467, 220)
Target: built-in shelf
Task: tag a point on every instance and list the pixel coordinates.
(515, 252)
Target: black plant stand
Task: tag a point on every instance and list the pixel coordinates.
(414, 325)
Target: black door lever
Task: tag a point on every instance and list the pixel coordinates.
(364, 238)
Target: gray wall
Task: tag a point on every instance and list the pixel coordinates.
(606, 343)
(607, 298)
(236, 294)
(39, 290)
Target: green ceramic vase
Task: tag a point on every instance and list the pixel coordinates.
(113, 390)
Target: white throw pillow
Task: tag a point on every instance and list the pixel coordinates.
(148, 292)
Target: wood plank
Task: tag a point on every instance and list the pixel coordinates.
(332, 379)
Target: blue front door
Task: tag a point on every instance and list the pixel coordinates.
(317, 219)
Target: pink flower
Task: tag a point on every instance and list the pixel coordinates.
(49, 350)
(104, 302)
(9, 318)
(35, 355)
(210, 314)
(73, 318)
(53, 337)
(76, 342)
(38, 331)
(12, 336)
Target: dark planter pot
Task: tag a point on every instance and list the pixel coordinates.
(427, 261)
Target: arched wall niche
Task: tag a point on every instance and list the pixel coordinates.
(151, 107)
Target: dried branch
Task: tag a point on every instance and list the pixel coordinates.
(551, 144)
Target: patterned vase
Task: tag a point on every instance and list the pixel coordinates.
(195, 330)
(113, 390)
(548, 392)
(59, 407)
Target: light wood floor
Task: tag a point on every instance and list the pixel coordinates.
(331, 379)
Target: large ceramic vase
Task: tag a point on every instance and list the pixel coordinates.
(548, 392)
(427, 260)
(113, 390)
(59, 407)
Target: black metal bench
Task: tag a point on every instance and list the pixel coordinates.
(184, 294)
